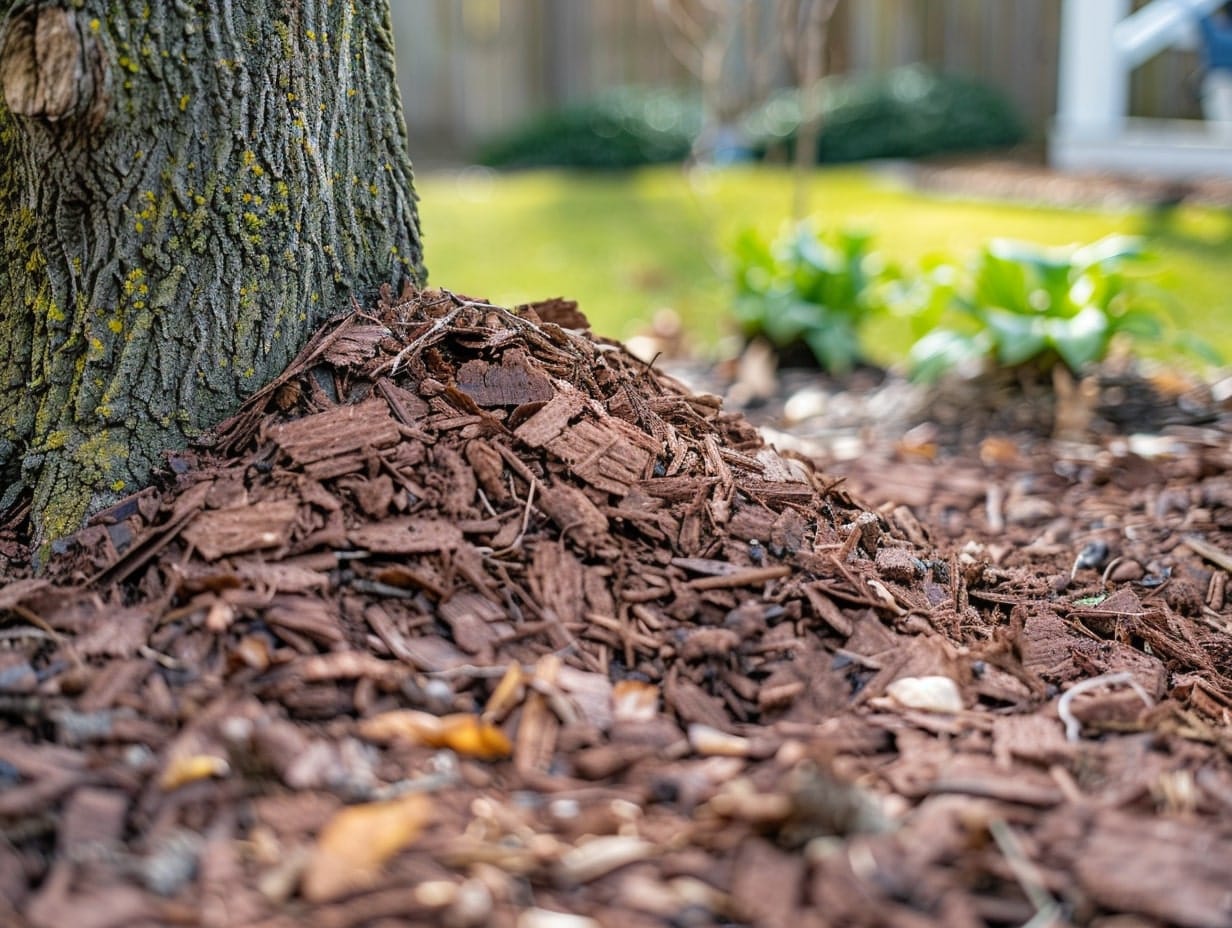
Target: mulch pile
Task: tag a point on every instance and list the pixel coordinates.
(471, 618)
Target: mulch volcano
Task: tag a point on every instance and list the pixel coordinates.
(471, 618)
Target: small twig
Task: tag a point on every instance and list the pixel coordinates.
(472, 672)
(437, 325)
(483, 499)
(377, 588)
(869, 662)
(681, 33)
(1207, 550)
(1073, 727)
(359, 311)
(750, 577)
(1025, 872)
(530, 501)
(163, 660)
(15, 634)
(1208, 618)
(37, 621)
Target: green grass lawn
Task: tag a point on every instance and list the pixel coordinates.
(626, 245)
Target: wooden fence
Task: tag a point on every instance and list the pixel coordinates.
(471, 67)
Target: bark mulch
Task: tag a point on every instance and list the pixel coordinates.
(471, 618)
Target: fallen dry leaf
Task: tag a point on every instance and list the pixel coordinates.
(358, 840)
(184, 770)
(710, 742)
(401, 724)
(507, 695)
(999, 450)
(472, 737)
(462, 732)
(634, 701)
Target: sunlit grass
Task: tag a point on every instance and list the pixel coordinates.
(626, 245)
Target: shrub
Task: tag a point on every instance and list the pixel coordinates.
(910, 112)
(1026, 304)
(807, 289)
(620, 129)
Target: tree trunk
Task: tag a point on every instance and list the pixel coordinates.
(187, 190)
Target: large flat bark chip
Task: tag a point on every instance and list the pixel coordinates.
(513, 382)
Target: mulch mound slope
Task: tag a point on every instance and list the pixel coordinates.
(473, 619)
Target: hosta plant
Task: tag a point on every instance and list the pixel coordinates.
(807, 289)
(1025, 304)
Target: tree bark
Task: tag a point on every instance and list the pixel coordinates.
(187, 190)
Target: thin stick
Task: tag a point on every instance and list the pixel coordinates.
(437, 325)
(1073, 727)
(1025, 872)
(1207, 550)
(530, 501)
(748, 577)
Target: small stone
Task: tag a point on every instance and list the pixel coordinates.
(1126, 571)
(1029, 510)
(436, 894)
(1094, 554)
(471, 906)
(898, 564)
(546, 918)
(930, 694)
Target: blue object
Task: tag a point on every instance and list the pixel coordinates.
(1217, 41)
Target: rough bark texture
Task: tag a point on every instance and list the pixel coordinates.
(187, 190)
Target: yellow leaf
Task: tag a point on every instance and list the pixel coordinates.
(507, 695)
(634, 701)
(355, 844)
(996, 449)
(401, 725)
(464, 733)
(181, 771)
(471, 737)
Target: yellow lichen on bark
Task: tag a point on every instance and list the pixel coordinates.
(173, 230)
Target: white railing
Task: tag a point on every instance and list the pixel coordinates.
(1157, 26)
(1101, 43)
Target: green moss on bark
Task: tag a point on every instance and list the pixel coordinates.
(221, 180)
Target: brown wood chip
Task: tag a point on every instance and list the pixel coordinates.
(407, 536)
(513, 382)
(220, 532)
(336, 432)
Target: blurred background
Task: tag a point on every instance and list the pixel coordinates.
(646, 157)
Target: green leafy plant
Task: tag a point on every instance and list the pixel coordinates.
(807, 289)
(1025, 304)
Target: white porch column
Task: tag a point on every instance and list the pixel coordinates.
(1093, 80)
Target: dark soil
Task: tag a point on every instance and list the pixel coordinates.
(473, 619)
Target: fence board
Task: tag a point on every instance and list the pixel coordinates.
(471, 67)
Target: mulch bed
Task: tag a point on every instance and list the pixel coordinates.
(1026, 181)
(471, 618)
